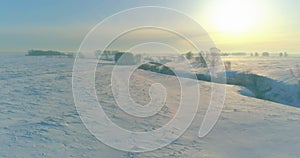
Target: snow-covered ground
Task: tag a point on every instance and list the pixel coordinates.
(38, 116)
(248, 127)
(270, 78)
(277, 68)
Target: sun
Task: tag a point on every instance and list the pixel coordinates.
(235, 16)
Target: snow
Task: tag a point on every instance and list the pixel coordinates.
(271, 78)
(38, 116)
(277, 68)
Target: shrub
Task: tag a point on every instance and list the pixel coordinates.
(157, 67)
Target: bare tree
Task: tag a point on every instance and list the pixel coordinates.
(296, 74)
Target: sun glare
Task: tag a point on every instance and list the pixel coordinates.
(235, 16)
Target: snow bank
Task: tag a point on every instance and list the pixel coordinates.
(260, 86)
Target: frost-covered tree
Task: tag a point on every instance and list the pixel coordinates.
(200, 59)
(265, 54)
(189, 55)
(122, 58)
(138, 58)
(227, 65)
(296, 74)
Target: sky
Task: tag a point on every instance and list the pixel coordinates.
(234, 25)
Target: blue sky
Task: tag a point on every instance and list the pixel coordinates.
(61, 25)
(56, 24)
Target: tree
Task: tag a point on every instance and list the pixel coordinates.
(201, 60)
(296, 74)
(138, 58)
(189, 55)
(122, 58)
(213, 59)
(106, 54)
(265, 54)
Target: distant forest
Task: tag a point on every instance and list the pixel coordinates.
(48, 53)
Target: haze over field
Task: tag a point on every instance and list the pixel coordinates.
(234, 25)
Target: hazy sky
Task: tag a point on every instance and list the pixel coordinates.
(234, 25)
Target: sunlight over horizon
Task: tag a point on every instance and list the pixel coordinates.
(235, 16)
(234, 25)
(150, 78)
(252, 25)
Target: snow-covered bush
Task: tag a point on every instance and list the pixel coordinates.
(157, 67)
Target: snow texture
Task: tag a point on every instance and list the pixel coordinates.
(38, 116)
